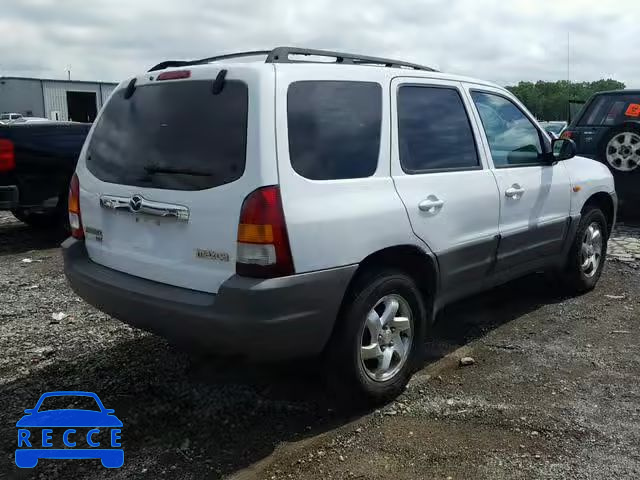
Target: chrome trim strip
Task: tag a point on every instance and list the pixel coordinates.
(138, 204)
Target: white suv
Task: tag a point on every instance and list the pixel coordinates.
(298, 207)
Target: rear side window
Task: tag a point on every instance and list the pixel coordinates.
(611, 110)
(434, 130)
(615, 112)
(334, 128)
(596, 110)
(175, 136)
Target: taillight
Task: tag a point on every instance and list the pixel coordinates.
(568, 134)
(7, 155)
(263, 243)
(75, 219)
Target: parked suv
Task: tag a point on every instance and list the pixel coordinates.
(608, 129)
(292, 208)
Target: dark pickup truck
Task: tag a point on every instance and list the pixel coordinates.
(37, 161)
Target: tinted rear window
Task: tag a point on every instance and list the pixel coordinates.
(334, 128)
(175, 135)
(611, 110)
(595, 111)
(434, 130)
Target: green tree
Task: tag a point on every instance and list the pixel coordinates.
(550, 100)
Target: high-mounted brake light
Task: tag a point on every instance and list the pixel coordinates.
(7, 155)
(263, 243)
(75, 219)
(175, 75)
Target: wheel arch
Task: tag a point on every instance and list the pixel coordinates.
(604, 202)
(418, 263)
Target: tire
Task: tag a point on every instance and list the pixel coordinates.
(370, 301)
(612, 148)
(56, 218)
(582, 273)
(37, 220)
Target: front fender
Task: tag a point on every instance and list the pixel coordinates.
(588, 177)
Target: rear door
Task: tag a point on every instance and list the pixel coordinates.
(166, 170)
(440, 174)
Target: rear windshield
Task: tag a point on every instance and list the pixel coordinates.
(176, 136)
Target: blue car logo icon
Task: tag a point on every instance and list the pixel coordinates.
(81, 430)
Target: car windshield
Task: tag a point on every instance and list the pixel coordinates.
(65, 402)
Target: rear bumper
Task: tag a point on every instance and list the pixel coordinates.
(9, 197)
(270, 319)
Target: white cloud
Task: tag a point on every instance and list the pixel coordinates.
(503, 41)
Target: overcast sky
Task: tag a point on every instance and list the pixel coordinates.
(500, 40)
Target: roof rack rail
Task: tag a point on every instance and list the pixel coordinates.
(202, 61)
(282, 55)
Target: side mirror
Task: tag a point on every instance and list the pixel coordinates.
(109, 411)
(29, 411)
(563, 149)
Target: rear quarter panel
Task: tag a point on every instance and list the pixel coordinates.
(338, 222)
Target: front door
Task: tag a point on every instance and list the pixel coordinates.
(443, 179)
(534, 194)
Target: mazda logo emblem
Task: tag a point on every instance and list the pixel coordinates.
(135, 203)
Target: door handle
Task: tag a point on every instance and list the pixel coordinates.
(515, 191)
(431, 204)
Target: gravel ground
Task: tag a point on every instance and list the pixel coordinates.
(553, 392)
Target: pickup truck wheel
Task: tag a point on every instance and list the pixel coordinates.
(375, 348)
(37, 220)
(588, 252)
(52, 219)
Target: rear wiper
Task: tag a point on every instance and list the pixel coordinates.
(177, 171)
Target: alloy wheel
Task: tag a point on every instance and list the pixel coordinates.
(623, 151)
(591, 251)
(386, 338)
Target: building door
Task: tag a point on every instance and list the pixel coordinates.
(82, 106)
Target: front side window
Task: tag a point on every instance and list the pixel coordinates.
(513, 139)
(434, 130)
(334, 128)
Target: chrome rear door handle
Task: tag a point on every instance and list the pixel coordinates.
(137, 204)
(430, 204)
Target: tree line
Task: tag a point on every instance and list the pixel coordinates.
(551, 100)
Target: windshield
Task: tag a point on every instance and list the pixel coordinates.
(177, 136)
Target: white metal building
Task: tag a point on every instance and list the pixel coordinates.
(54, 99)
